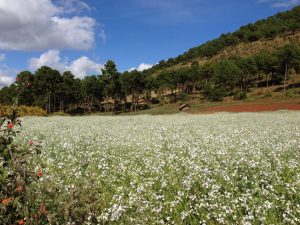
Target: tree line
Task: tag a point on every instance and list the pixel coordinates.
(115, 91)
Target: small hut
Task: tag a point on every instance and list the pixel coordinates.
(184, 107)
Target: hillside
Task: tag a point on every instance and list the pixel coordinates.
(268, 34)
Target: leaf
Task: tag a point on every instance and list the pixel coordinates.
(16, 201)
(2, 121)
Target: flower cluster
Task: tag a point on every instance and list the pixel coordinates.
(210, 169)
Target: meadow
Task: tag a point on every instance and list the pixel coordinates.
(223, 168)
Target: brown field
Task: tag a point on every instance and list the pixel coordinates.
(252, 107)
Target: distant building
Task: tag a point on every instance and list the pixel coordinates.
(184, 107)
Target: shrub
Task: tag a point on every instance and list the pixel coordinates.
(154, 100)
(214, 94)
(267, 94)
(18, 204)
(183, 97)
(23, 111)
(240, 96)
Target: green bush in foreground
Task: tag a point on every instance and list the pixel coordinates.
(18, 196)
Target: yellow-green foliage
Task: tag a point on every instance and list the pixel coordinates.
(23, 111)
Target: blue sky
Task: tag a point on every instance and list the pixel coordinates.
(81, 35)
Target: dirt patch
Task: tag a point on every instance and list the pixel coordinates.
(253, 107)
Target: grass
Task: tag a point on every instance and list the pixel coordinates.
(198, 106)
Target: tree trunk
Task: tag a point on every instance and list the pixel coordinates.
(137, 101)
(194, 90)
(115, 104)
(49, 102)
(285, 76)
(267, 77)
(125, 101)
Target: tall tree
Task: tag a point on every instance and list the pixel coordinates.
(110, 76)
(46, 83)
(69, 91)
(290, 59)
(26, 78)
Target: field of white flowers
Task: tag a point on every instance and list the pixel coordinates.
(178, 169)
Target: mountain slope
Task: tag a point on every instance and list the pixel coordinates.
(269, 34)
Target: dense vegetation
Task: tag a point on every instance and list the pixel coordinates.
(128, 91)
(18, 186)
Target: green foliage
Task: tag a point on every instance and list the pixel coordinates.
(183, 97)
(19, 203)
(240, 95)
(214, 94)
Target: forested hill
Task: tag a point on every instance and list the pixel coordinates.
(280, 25)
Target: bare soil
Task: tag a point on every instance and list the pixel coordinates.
(252, 107)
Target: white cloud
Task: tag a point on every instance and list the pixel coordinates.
(40, 24)
(72, 6)
(80, 67)
(6, 72)
(281, 3)
(5, 80)
(84, 66)
(141, 67)
(103, 35)
(50, 58)
(5, 75)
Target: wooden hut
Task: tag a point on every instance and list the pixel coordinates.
(184, 107)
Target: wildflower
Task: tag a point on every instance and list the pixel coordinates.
(11, 199)
(20, 222)
(4, 201)
(19, 189)
(39, 173)
(29, 85)
(10, 125)
(30, 142)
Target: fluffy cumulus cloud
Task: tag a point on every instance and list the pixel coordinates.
(5, 79)
(281, 3)
(141, 67)
(41, 24)
(50, 58)
(84, 66)
(80, 67)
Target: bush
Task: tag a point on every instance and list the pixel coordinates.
(17, 199)
(154, 101)
(214, 94)
(240, 96)
(183, 97)
(23, 111)
(267, 94)
(19, 204)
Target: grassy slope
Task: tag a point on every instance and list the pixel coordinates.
(245, 49)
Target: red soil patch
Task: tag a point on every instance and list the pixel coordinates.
(254, 107)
